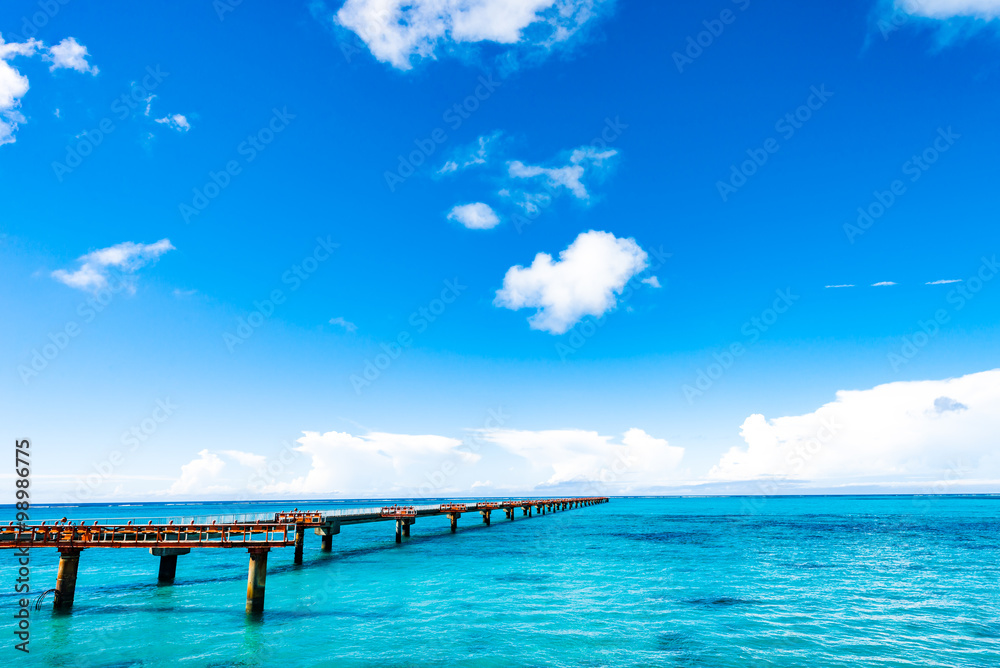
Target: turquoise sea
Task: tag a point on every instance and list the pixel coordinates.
(786, 581)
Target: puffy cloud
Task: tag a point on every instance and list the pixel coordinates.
(476, 216)
(399, 31)
(944, 9)
(177, 122)
(908, 431)
(560, 456)
(70, 55)
(652, 282)
(14, 85)
(125, 258)
(375, 464)
(198, 475)
(567, 176)
(248, 459)
(586, 280)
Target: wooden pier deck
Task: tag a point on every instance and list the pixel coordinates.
(168, 539)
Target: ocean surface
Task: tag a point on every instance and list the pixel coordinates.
(743, 582)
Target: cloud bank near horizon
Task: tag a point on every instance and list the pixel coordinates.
(924, 437)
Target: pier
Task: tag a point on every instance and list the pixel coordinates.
(169, 540)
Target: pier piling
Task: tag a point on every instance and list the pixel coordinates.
(454, 521)
(168, 562)
(69, 564)
(300, 539)
(486, 516)
(256, 578)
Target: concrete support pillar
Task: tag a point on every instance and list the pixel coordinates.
(168, 562)
(399, 531)
(406, 527)
(486, 516)
(256, 578)
(300, 540)
(326, 533)
(168, 569)
(69, 563)
(454, 521)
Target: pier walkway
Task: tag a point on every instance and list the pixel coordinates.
(258, 534)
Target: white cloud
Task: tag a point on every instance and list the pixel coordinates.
(248, 459)
(399, 31)
(346, 324)
(562, 456)
(125, 258)
(845, 285)
(944, 9)
(177, 122)
(585, 280)
(652, 282)
(475, 216)
(478, 154)
(198, 474)
(14, 85)
(882, 283)
(69, 54)
(944, 281)
(568, 176)
(376, 464)
(908, 431)
(530, 202)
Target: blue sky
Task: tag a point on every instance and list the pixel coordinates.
(618, 127)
